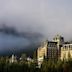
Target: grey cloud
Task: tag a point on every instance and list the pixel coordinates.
(48, 17)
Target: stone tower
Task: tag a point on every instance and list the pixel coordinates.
(60, 41)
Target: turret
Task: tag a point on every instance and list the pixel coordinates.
(59, 39)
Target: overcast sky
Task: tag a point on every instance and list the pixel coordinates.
(49, 17)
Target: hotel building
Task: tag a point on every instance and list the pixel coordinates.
(50, 49)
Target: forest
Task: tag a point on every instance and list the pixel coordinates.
(47, 66)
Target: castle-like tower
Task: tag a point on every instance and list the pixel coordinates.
(60, 41)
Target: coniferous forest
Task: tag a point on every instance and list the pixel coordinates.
(47, 66)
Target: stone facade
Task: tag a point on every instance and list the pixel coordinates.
(60, 41)
(42, 52)
(66, 51)
(48, 50)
